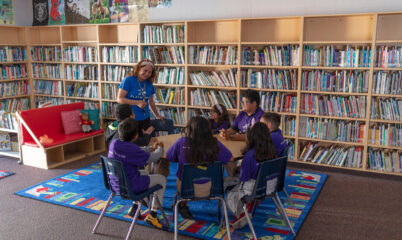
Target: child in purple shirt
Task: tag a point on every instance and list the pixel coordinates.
(219, 118)
(247, 118)
(273, 120)
(134, 159)
(198, 146)
(259, 148)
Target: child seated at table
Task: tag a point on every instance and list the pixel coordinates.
(134, 159)
(273, 120)
(259, 148)
(219, 118)
(197, 146)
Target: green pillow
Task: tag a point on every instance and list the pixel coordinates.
(93, 115)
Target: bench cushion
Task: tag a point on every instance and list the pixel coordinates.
(62, 139)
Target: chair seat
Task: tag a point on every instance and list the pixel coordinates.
(146, 193)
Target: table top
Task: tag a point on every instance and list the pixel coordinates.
(234, 146)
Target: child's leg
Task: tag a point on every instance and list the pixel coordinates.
(154, 180)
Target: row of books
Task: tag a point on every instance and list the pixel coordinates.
(214, 55)
(46, 54)
(178, 115)
(46, 71)
(14, 104)
(80, 54)
(223, 78)
(115, 73)
(165, 55)
(109, 91)
(87, 104)
(332, 56)
(332, 130)
(347, 81)
(169, 96)
(269, 78)
(389, 56)
(48, 87)
(127, 54)
(12, 54)
(386, 134)
(163, 34)
(334, 155)
(278, 102)
(81, 72)
(387, 82)
(288, 126)
(208, 98)
(8, 120)
(168, 75)
(39, 100)
(287, 55)
(8, 89)
(107, 109)
(13, 71)
(381, 160)
(330, 105)
(86, 90)
(199, 113)
(386, 109)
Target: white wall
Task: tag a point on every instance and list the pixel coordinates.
(218, 9)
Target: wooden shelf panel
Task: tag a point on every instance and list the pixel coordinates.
(8, 130)
(384, 121)
(385, 147)
(170, 105)
(333, 117)
(14, 79)
(269, 90)
(213, 87)
(333, 93)
(267, 66)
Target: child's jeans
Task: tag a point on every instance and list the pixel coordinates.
(154, 180)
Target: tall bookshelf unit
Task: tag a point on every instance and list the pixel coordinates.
(336, 80)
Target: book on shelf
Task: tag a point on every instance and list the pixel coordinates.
(48, 87)
(81, 72)
(80, 54)
(169, 75)
(386, 109)
(288, 126)
(163, 34)
(40, 100)
(115, 73)
(84, 90)
(42, 53)
(120, 54)
(278, 102)
(107, 109)
(177, 115)
(87, 104)
(14, 104)
(213, 55)
(287, 55)
(385, 134)
(14, 88)
(387, 82)
(384, 160)
(13, 71)
(169, 96)
(208, 98)
(109, 91)
(52, 71)
(388, 56)
(269, 78)
(8, 120)
(5, 143)
(12, 54)
(164, 55)
(223, 78)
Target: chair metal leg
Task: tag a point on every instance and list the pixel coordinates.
(103, 212)
(250, 224)
(283, 213)
(288, 197)
(176, 212)
(137, 213)
(161, 208)
(225, 212)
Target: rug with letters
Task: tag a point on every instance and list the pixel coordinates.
(84, 189)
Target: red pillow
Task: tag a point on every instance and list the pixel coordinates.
(71, 121)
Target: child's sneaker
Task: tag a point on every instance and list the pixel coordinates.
(153, 221)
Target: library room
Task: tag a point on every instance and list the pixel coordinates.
(183, 119)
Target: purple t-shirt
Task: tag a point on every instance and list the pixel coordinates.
(216, 128)
(133, 158)
(176, 153)
(279, 143)
(249, 166)
(244, 122)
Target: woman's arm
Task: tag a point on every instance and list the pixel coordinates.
(121, 98)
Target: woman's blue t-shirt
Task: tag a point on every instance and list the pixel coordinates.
(134, 89)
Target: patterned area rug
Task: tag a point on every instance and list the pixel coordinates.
(84, 189)
(4, 174)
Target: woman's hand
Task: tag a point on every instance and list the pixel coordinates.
(161, 118)
(141, 104)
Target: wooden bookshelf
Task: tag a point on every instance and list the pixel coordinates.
(247, 38)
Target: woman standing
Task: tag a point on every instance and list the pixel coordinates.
(137, 90)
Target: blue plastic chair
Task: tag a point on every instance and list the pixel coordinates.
(191, 173)
(270, 176)
(282, 186)
(112, 167)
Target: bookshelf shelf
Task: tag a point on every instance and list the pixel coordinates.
(119, 64)
(270, 67)
(326, 165)
(388, 42)
(83, 98)
(14, 62)
(47, 62)
(13, 79)
(8, 130)
(47, 45)
(387, 69)
(213, 87)
(213, 43)
(337, 42)
(169, 65)
(384, 121)
(385, 147)
(81, 63)
(108, 100)
(333, 142)
(290, 137)
(270, 90)
(223, 66)
(18, 96)
(47, 95)
(334, 93)
(387, 95)
(162, 44)
(336, 68)
(83, 81)
(170, 105)
(332, 117)
(168, 85)
(46, 79)
(269, 43)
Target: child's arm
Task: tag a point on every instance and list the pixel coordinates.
(155, 155)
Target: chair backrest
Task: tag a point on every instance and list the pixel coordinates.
(191, 173)
(115, 178)
(270, 176)
(285, 153)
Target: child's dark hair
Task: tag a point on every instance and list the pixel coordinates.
(128, 129)
(223, 114)
(201, 146)
(122, 111)
(259, 138)
(273, 118)
(252, 96)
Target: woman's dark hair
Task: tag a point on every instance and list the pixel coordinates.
(259, 138)
(128, 129)
(252, 96)
(123, 111)
(200, 146)
(141, 64)
(223, 117)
